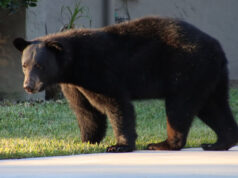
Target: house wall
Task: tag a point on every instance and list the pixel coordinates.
(216, 17)
(48, 16)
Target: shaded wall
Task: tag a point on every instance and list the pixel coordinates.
(11, 76)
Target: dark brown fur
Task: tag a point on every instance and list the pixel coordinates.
(102, 70)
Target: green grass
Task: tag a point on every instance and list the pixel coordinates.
(50, 128)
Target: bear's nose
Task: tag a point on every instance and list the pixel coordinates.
(28, 89)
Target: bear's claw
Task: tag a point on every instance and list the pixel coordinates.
(119, 148)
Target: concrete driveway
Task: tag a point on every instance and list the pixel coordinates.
(186, 163)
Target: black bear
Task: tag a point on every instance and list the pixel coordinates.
(102, 70)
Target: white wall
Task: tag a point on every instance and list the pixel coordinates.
(219, 18)
(47, 15)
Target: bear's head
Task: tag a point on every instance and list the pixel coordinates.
(40, 63)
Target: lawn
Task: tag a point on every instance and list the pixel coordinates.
(50, 128)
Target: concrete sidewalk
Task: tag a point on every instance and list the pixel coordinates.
(186, 163)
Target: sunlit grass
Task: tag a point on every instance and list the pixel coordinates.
(50, 128)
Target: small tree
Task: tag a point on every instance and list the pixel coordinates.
(73, 15)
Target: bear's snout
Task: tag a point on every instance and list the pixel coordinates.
(33, 85)
(28, 89)
(29, 86)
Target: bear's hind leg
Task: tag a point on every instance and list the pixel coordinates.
(179, 118)
(91, 122)
(217, 115)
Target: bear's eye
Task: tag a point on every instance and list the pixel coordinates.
(38, 66)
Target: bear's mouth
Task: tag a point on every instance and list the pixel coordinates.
(40, 87)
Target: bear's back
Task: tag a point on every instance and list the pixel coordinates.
(171, 32)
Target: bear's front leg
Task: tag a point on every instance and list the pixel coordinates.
(92, 123)
(120, 112)
(122, 118)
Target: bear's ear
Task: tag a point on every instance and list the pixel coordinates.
(21, 44)
(55, 46)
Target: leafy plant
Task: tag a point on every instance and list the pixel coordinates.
(74, 14)
(14, 5)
